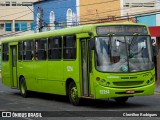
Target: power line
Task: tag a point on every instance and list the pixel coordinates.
(95, 21)
(82, 21)
(30, 9)
(13, 14)
(22, 16)
(104, 12)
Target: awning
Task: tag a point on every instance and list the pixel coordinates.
(155, 31)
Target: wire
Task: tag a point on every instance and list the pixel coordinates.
(13, 14)
(30, 9)
(22, 16)
(104, 12)
(86, 20)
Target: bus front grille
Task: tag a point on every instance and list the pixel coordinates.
(128, 83)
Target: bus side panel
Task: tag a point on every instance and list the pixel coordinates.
(55, 83)
(71, 70)
(25, 69)
(40, 72)
(6, 74)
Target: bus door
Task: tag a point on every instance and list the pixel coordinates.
(14, 65)
(85, 84)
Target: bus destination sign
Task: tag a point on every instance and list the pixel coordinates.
(122, 29)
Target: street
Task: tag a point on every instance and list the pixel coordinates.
(11, 100)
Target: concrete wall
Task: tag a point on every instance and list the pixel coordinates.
(15, 14)
(98, 9)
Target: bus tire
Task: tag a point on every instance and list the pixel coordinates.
(23, 87)
(121, 99)
(73, 94)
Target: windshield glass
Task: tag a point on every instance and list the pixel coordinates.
(123, 53)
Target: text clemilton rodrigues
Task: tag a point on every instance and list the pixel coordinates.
(139, 114)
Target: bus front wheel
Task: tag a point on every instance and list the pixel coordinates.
(73, 94)
(121, 99)
(23, 87)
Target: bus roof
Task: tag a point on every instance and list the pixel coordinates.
(65, 31)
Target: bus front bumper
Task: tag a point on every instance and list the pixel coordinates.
(107, 92)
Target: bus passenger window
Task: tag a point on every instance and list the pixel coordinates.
(40, 49)
(5, 52)
(20, 50)
(28, 50)
(54, 48)
(69, 47)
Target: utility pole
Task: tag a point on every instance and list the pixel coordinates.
(40, 19)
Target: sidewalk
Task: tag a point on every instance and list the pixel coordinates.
(157, 89)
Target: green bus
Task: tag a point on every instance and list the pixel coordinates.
(99, 61)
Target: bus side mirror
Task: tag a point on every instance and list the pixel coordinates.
(92, 43)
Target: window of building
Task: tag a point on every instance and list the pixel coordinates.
(7, 3)
(52, 19)
(8, 26)
(137, 5)
(28, 50)
(26, 3)
(2, 4)
(14, 4)
(40, 49)
(20, 50)
(5, 51)
(148, 4)
(54, 48)
(126, 5)
(21, 26)
(69, 17)
(1, 26)
(69, 47)
(31, 26)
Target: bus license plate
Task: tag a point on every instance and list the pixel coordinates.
(130, 91)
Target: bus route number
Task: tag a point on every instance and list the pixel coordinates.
(104, 92)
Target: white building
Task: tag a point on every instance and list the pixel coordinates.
(16, 16)
(131, 7)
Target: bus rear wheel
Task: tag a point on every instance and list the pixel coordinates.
(121, 99)
(73, 94)
(23, 87)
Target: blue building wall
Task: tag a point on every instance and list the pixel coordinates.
(59, 7)
(149, 20)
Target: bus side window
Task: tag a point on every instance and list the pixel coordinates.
(54, 48)
(5, 51)
(69, 47)
(28, 50)
(40, 49)
(20, 50)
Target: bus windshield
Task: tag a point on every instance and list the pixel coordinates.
(123, 53)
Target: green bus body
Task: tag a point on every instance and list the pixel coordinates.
(55, 76)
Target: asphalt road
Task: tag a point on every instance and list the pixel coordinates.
(59, 107)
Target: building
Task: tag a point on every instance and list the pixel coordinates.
(146, 12)
(98, 10)
(16, 17)
(55, 14)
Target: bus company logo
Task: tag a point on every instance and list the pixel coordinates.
(6, 114)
